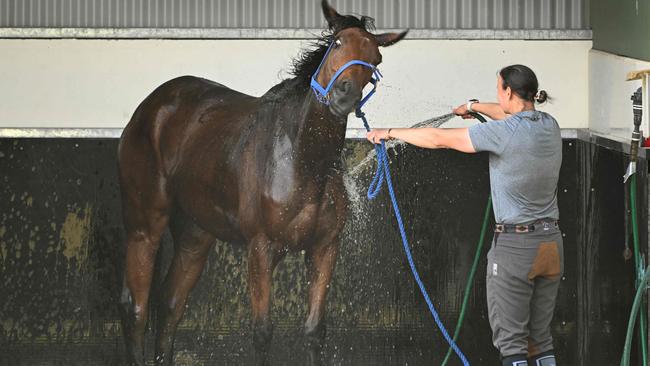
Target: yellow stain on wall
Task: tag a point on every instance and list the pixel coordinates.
(3, 252)
(8, 325)
(3, 246)
(184, 357)
(75, 232)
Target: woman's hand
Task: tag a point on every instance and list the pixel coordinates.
(375, 136)
(462, 111)
(492, 110)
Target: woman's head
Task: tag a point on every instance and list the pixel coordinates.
(518, 84)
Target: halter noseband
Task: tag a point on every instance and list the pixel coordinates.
(322, 94)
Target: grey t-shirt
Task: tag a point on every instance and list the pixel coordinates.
(525, 158)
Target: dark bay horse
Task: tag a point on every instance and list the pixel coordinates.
(210, 162)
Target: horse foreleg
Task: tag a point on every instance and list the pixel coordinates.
(320, 261)
(261, 262)
(192, 245)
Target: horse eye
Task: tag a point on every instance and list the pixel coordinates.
(338, 43)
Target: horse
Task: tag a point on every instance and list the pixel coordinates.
(209, 162)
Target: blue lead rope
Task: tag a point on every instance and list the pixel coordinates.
(383, 172)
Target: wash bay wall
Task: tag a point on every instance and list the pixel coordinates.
(62, 256)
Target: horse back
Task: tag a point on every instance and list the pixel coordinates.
(186, 131)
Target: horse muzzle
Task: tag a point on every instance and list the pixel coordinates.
(344, 97)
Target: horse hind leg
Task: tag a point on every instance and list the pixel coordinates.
(141, 247)
(145, 208)
(192, 245)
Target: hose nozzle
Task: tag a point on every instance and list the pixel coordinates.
(637, 108)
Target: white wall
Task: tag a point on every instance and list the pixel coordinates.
(610, 107)
(98, 83)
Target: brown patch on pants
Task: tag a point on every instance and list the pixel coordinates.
(547, 262)
(532, 349)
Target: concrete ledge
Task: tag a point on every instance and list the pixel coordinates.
(284, 33)
(110, 133)
(607, 141)
(360, 133)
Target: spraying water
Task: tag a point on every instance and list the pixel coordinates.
(391, 144)
(350, 178)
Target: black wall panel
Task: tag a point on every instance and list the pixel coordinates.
(61, 258)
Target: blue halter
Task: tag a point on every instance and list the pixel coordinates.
(322, 93)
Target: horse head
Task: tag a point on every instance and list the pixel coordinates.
(350, 42)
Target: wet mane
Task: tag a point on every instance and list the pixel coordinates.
(306, 63)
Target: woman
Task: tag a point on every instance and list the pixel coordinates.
(525, 262)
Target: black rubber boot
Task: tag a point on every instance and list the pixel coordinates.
(543, 359)
(515, 360)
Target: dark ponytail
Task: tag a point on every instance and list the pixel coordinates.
(523, 82)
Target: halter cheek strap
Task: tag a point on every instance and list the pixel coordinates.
(322, 93)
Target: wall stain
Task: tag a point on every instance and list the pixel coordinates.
(75, 233)
(3, 251)
(185, 358)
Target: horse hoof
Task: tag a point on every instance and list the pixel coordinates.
(161, 360)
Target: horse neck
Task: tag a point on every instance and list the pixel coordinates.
(320, 135)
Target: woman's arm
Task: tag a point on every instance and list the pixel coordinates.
(430, 138)
(492, 110)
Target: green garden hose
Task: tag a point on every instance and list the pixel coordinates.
(477, 256)
(640, 284)
(641, 275)
(636, 309)
(470, 280)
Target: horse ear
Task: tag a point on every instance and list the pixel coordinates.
(388, 39)
(330, 14)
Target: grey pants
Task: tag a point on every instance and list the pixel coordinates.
(523, 276)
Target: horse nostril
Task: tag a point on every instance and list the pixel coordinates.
(344, 86)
